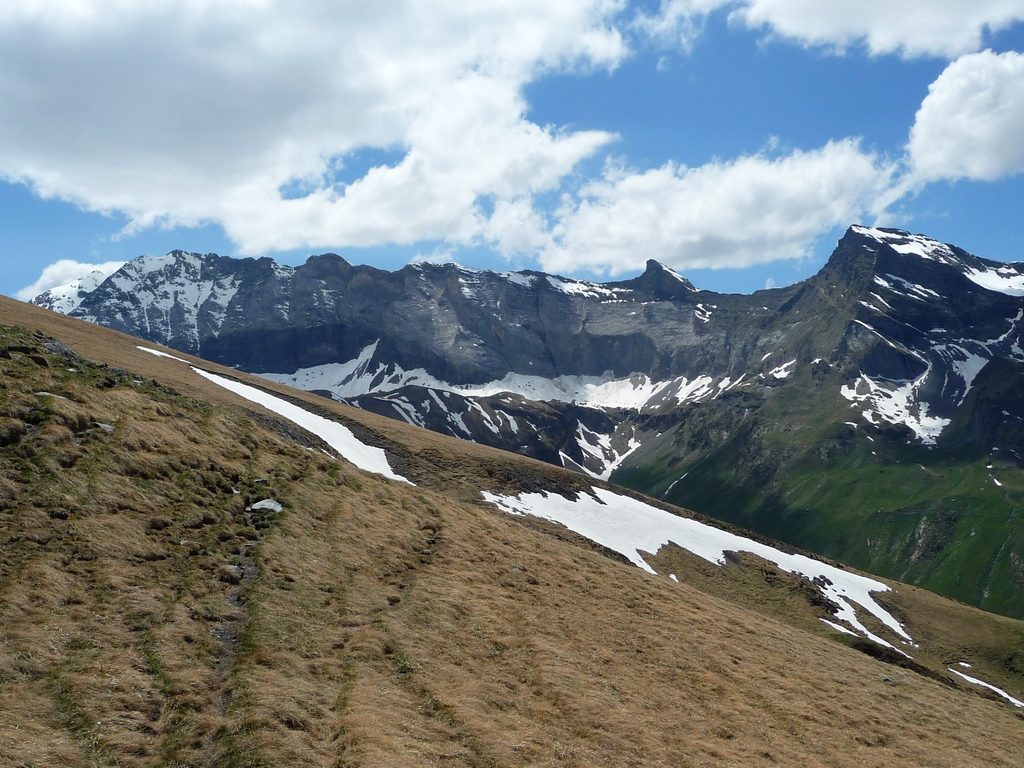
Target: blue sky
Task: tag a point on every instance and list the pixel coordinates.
(732, 139)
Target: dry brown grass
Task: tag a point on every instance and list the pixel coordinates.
(391, 625)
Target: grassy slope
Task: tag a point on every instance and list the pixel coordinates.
(376, 623)
(930, 517)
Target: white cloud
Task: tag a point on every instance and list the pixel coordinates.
(750, 210)
(678, 22)
(971, 123)
(472, 142)
(911, 28)
(64, 272)
(186, 112)
(518, 228)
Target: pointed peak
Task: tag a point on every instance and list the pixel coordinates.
(654, 267)
(659, 281)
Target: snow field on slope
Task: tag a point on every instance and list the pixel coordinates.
(1008, 278)
(359, 376)
(901, 402)
(896, 405)
(1002, 280)
(337, 436)
(630, 527)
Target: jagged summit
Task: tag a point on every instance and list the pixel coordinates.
(66, 298)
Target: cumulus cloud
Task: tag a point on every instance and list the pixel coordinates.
(911, 28)
(750, 210)
(473, 142)
(971, 123)
(182, 113)
(64, 272)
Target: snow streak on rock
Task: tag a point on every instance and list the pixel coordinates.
(174, 295)
(601, 458)
(783, 370)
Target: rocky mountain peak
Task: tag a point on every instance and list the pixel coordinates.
(659, 281)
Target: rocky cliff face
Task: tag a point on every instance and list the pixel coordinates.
(902, 351)
(908, 322)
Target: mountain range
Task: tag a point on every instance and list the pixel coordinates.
(872, 413)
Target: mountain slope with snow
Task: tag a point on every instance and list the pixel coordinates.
(902, 352)
(200, 567)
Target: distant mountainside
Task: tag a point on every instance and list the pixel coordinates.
(199, 567)
(873, 413)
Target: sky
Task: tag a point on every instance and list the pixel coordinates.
(733, 140)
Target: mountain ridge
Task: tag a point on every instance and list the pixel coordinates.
(899, 341)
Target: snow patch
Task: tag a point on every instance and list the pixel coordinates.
(525, 281)
(158, 353)
(982, 683)
(674, 483)
(599, 448)
(914, 291)
(783, 370)
(966, 364)
(336, 435)
(703, 312)
(580, 288)
(896, 403)
(1008, 279)
(840, 628)
(272, 504)
(631, 527)
(911, 245)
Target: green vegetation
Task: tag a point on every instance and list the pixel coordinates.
(866, 496)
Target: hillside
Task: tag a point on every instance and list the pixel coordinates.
(871, 413)
(188, 578)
